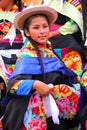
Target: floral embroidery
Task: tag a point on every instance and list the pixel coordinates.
(84, 80)
(72, 60)
(34, 100)
(14, 8)
(35, 116)
(67, 100)
(29, 51)
(63, 90)
(37, 124)
(68, 105)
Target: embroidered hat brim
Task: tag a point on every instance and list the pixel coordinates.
(38, 9)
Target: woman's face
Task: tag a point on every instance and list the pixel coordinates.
(39, 30)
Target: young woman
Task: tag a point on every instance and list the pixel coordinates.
(37, 67)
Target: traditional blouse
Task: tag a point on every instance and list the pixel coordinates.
(28, 64)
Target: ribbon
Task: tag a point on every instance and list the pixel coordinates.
(86, 40)
(51, 108)
(11, 34)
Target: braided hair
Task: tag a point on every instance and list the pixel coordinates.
(39, 56)
(26, 26)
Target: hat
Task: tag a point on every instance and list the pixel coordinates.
(37, 9)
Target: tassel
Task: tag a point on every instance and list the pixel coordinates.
(11, 34)
(51, 108)
(61, 5)
(86, 40)
(46, 2)
(2, 67)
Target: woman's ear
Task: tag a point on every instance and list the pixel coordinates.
(26, 32)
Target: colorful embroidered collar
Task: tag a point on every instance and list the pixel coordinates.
(29, 51)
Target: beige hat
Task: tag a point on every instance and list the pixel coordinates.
(38, 9)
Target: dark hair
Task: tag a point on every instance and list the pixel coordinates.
(39, 56)
(26, 26)
(19, 3)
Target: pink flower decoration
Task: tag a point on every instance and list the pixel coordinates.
(63, 105)
(34, 100)
(75, 106)
(36, 111)
(37, 124)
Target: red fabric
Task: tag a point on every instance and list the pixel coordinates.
(86, 125)
(55, 27)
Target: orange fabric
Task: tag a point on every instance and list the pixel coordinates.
(34, 2)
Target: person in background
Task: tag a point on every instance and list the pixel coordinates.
(8, 50)
(83, 101)
(67, 33)
(68, 29)
(37, 68)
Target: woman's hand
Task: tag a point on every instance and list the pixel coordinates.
(41, 87)
(54, 33)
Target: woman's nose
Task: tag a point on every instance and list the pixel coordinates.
(41, 30)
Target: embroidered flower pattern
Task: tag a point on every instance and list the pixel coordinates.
(29, 51)
(37, 124)
(72, 60)
(84, 80)
(67, 100)
(35, 117)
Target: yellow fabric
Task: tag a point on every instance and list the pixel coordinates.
(68, 28)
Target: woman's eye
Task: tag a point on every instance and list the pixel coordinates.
(35, 27)
(46, 26)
